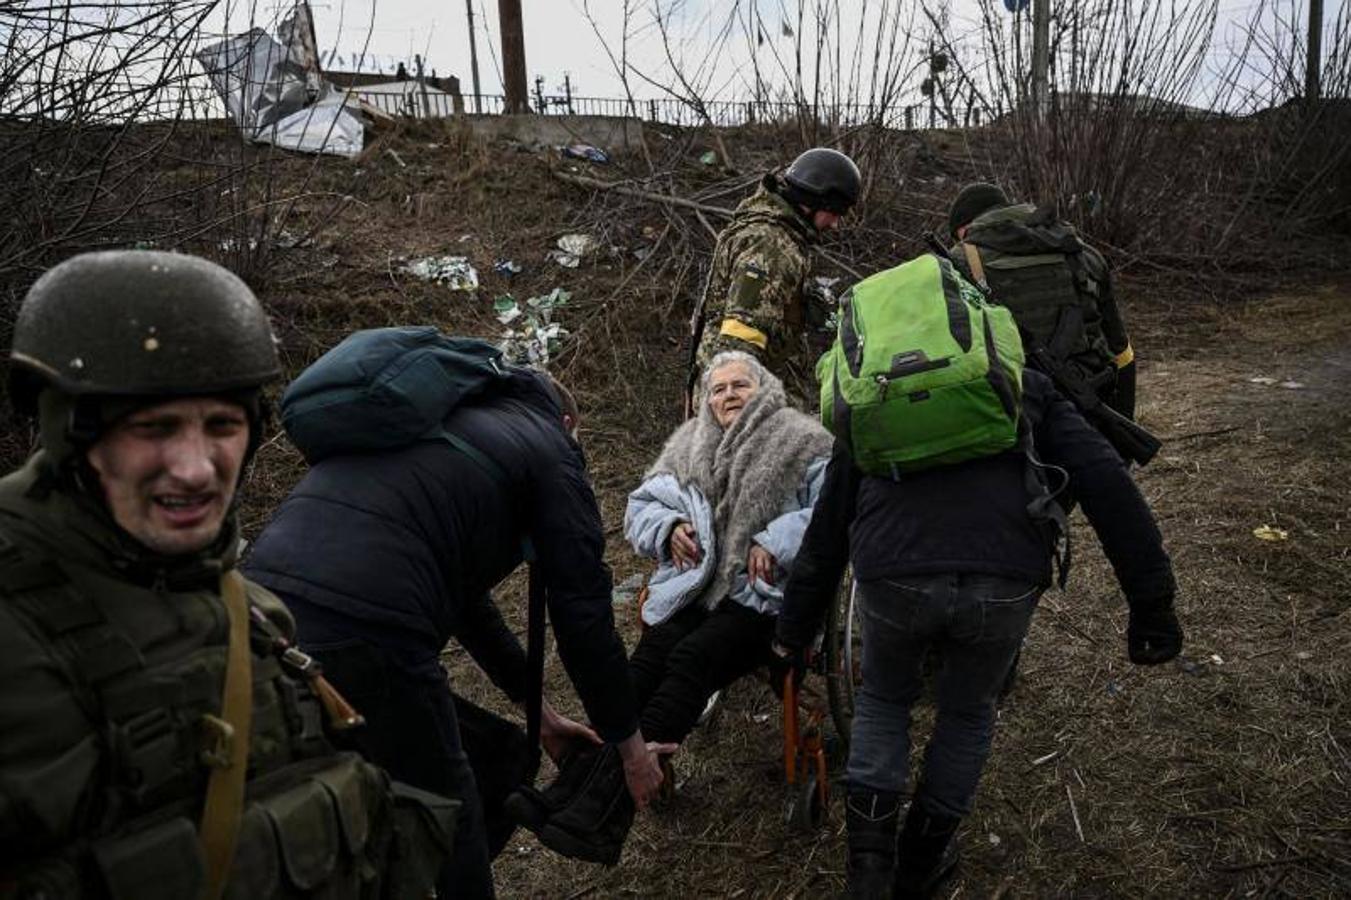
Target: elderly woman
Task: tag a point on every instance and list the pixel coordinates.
(722, 511)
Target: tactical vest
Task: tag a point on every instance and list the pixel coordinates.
(147, 668)
(1051, 281)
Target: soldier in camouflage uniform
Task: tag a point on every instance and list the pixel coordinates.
(160, 738)
(753, 300)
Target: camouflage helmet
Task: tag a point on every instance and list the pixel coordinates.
(822, 178)
(139, 323)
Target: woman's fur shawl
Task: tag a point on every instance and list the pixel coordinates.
(746, 473)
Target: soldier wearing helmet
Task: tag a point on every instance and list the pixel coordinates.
(753, 300)
(144, 691)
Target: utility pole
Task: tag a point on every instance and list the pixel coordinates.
(1315, 60)
(473, 56)
(1041, 57)
(513, 56)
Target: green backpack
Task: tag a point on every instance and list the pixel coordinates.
(923, 372)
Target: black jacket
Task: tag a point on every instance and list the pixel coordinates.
(407, 544)
(972, 517)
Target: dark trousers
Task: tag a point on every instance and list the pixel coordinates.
(976, 623)
(411, 730)
(680, 663)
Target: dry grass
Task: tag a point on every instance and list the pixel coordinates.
(1211, 778)
(1225, 775)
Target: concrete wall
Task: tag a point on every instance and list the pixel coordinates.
(607, 132)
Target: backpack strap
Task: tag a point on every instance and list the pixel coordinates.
(977, 267)
(478, 456)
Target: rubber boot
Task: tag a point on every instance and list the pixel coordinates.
(531, 808)
(594, 825)
(926, 852)
(870, 820)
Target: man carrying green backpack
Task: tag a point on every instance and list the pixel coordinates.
(935, 495)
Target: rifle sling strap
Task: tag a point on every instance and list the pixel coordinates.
(224, 807)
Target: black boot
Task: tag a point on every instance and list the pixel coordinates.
(594, 825)
(531, 808)
(926, 852)
(870, 821)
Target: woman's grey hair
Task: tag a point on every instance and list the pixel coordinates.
(727, 357)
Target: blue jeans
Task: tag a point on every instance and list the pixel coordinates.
(976, 623)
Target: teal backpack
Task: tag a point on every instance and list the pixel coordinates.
(385, 388)
(923, 372)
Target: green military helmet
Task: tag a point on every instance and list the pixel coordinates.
(139, 323)
(822, 178)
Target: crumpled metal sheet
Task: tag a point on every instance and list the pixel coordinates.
(275, 92)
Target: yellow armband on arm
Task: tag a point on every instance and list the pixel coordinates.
(735, 328)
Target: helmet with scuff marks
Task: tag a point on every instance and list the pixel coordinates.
(139, 323)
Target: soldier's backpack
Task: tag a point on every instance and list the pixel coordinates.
(923, 371)
(1039, 268)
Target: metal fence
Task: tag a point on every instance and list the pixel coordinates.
(669, 111)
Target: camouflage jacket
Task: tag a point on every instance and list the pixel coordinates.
(753, 300)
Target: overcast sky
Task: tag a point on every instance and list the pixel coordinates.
(559, 39)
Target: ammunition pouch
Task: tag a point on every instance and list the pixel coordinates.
(333, 828)
(424, 831)
(163, 860)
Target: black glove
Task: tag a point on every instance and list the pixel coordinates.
(1153, 635)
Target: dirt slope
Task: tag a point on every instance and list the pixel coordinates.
(1223, 775)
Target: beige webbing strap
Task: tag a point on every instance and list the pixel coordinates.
(225, 790)
(973, 261)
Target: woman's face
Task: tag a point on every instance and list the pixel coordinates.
(730, 388)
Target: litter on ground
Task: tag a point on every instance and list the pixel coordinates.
(585, 151)
(1270, 533)
(535, 336)
(454, 272)
(571, 248)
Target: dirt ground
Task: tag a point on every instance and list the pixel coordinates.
(1223, 774)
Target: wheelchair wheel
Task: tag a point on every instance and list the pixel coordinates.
(803, 812)
(843, 649)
